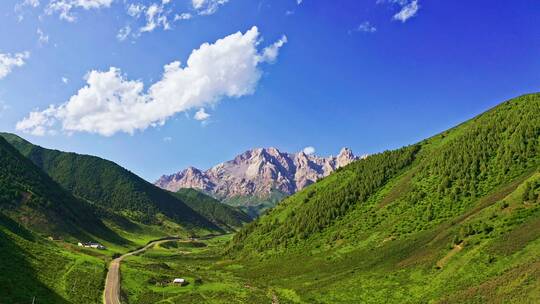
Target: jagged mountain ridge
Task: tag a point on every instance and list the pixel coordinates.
(258, 172)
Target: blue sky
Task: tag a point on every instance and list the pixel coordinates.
(370, 75)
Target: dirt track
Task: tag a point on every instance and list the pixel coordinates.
(111, 294)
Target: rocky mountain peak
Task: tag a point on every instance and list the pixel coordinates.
(345, 157)
(258, 172)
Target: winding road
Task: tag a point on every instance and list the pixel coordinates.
(111, 294)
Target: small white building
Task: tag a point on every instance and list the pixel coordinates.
(180, 282)
(92, 245)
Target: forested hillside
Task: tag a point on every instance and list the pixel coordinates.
(110, 186)
(33, 208)
(226, 217)
(36, 201)
(461, 207)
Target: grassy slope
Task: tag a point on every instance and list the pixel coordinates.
(443, 220)
(224, 216)
(32, 267)
(110, 186)
(389, 229)
(32, 206)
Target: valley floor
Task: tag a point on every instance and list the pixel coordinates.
(463, 274)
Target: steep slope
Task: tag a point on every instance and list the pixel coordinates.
(33, 269)
(110, 186)
(258, 178)
(34, 200)
(453, 219)
(224, 216)
(32, 207)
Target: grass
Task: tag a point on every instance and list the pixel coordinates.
(60, 271)
(35, 268)
(497, 263)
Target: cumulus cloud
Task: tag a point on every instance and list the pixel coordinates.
(8, 62)
(408, 11)
(207, 7)
(201, 115)
(65, 7)
(110, 103)
(309, 150)
(38, 123)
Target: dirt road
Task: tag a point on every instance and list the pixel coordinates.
(111, 294)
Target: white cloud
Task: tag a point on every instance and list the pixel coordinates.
(366, 27)
(182, 16)
(167, 139)
(309, 150)
(135, 10)
(65, 80)
(271, 52)
(155, 17)
(109, 103)
(207, 7)
(38, 123)
(408, 11)
(123, 33)
(8, 62)
(298, 2)
(408, 8)
(42, 38)
(201, 115)
(65, 7)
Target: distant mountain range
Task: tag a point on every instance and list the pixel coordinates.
(258, 178)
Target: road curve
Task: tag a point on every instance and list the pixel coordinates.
(111, 294)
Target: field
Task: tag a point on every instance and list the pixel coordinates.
(147, 278)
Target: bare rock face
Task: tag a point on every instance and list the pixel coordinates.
(257, 173)
(191, 176)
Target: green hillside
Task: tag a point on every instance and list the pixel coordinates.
(110, 186)
(255, 206)
(452, 219)
(34, 200)
(33, 207)
(224, 216)
(33, 269)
